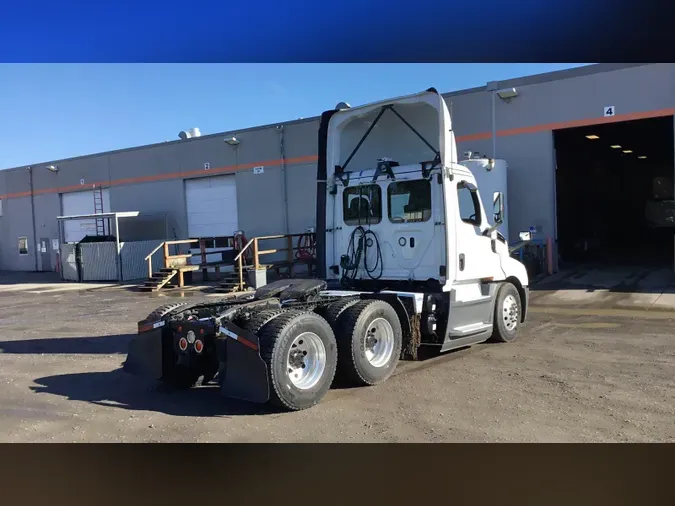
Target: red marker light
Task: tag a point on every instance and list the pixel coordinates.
(199, 346)
(182, 344)
(201, 331)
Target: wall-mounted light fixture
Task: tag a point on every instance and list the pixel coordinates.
(507, 94)
(52, 168)
(232, 141)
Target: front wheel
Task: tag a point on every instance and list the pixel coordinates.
(508, 310)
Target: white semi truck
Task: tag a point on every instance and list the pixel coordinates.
(407, 256)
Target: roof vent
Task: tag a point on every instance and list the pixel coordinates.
(189, 134)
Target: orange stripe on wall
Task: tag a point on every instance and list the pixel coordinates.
(313, 158)
(569, 124)
(167, 176)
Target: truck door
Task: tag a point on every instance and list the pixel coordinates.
(413, 211)
(475, 258)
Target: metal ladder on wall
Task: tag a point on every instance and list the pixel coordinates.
(98, 209)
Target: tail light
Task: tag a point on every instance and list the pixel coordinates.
(182, 344)
(199, 346)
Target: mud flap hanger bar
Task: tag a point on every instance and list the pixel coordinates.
(340, 169)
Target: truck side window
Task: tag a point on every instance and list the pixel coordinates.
(362, 205)
(409, 201)
(469, 208)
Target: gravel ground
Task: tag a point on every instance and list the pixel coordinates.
(573, 375)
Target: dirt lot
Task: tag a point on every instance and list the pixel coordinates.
(574, 375)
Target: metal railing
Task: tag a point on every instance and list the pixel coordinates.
(179, 259)
(291, 251)
(167, 256)
(300, 252)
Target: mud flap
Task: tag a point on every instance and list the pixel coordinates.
(243, 372)
(145, 355)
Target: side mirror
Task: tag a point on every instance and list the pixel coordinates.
(498, 208)
(525, 236)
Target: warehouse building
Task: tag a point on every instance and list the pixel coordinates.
(559, 132)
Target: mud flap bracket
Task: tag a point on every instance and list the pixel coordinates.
(243, 373)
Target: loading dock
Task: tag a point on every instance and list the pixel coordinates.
(614, 193)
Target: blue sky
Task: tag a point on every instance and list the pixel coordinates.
(54, 111)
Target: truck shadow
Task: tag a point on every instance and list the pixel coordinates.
(117, 389)
(103, 345)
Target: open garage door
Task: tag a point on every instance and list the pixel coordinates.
(81, 202)
(615, 206)
(211, 208)
(614, 194)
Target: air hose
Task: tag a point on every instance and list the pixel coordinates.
(357, 249)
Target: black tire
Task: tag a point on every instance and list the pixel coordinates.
(332, 312)
(506, 324)
(353, 325)
(276, 339)
(260, 319)
(162, 311)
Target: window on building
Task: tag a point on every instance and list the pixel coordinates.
(23, 246)
(469, 205)
(409, 201)
(362, 205)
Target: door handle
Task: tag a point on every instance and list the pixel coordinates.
(461, 261)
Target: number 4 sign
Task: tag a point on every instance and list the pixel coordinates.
(609, 111)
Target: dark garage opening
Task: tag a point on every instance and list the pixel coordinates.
(614, 193)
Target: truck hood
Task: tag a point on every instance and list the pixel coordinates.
(399, 135)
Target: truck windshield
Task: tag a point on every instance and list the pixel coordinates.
(362, 205)
(409, 201)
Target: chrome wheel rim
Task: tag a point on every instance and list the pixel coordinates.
(306, 360)
(379, 342)
(510, 312)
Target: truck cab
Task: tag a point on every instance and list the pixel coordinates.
(402, 215)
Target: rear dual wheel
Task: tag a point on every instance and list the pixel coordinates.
(369, 342)
(300, 351)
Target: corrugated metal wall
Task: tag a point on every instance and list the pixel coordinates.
(134, 265)
(99, 261)
(68, 262)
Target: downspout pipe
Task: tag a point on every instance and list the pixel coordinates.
(492, 87)
(32, 214)
(284, 183)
